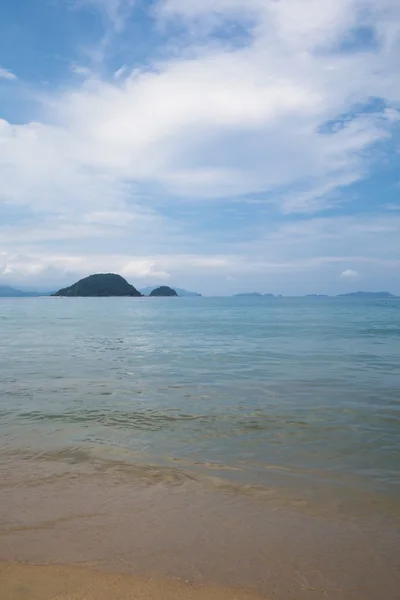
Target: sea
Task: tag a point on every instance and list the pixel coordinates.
(249, 441)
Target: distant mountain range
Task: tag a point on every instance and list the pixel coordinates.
(146, 291)
(254, 295)
(9, 292)
(350, 295)
(367, 295)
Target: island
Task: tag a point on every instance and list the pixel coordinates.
(181, 292)
(248, 295)
(317, 296)
(367, 295)
(253, 295)
(163, 291)
(100, 285)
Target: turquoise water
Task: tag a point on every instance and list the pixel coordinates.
(296, 394)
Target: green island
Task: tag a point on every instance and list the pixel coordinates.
(100, 285)
(163, 291)
(109, 284)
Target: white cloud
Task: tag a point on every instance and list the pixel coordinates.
(349, 274)
(115, 11)
(143, 269)
(221, 121)
(210, 120)
(295, 257)
(393, 206)
(322, 196)
(6, 74)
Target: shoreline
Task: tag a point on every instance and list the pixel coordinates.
(168, 531)
(314, 493)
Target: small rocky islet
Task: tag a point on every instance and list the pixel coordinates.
(163, 291)
(103, 285)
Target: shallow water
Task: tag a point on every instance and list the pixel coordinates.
(240, 442)
(281, 393)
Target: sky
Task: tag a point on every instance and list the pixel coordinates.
(222, 146)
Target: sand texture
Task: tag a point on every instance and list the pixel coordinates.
(26, 582)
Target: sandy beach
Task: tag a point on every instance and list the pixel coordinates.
(206, 543)
(23, 582)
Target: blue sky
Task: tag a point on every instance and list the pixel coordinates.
(222, 146)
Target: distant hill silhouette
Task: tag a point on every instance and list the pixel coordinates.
(367, 295)
(9, 292)
(253, 295)
(163, 291)
(248, 294)
(100, 285)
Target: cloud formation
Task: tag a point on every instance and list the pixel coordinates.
(6, 74)
(115, 11)
(349, 274)
(289, 104)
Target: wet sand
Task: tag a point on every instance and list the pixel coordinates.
(206, 542)
(24, 582)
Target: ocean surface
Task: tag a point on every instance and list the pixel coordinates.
(299, 397)
(251, 442)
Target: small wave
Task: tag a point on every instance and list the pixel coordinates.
(286, 487)
(99, 461)
(148, 419)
